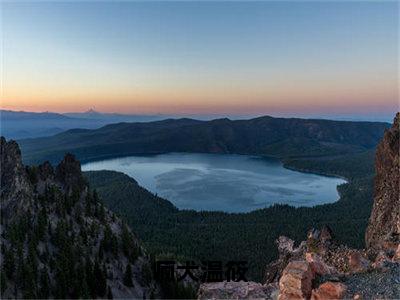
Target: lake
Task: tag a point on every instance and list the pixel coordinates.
(222, 182)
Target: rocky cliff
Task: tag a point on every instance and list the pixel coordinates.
(320, 268)
(58, 240)
(383, 230)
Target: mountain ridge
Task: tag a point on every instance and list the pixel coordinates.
(261, 136)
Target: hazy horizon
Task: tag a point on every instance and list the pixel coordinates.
(339, 117)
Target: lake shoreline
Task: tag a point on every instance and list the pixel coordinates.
(282, 160)
(233, 183)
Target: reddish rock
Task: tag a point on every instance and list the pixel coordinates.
(318, 265)
(358, 263)
(381, 260)
(396, 256)
(296, 281)
(384, 224)
(287, 253)
(329, 290)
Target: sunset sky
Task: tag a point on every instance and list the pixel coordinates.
(199, 58)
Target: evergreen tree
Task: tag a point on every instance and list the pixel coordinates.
(88, 204)
(20, 266)
(100, 280)
(95, 198)
(9, 263)
(41, 224)
(126, 240)
(109, 293)
(90, 277)
(128, 276)
(61, 279)
(3, 282)
(28, 281)
(32, 257)
(101, 251)
(44, 291)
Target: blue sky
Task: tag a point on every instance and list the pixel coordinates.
(201, 57)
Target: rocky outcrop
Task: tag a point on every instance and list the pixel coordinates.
(318, 265)
(329, 291)
(296, 281)
(13, 176)
(287, 252)
(59, 241)
(383, 230)
(69, 174)
(15, 187)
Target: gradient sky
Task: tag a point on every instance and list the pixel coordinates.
(201, 57)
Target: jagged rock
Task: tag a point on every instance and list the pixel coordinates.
(358, 263)
(319, 241)
(318, 266)
(383, 230)
(313, 234)
(13, 175)
(45, 176)
(15, 186)
(326, 235)
(69, 174)
(287, 253)
(396, 256)
(285, 244)
(274, 270)
(328, 291)
(45, 171)
(381, 260)
(296, 281)
(237, 290)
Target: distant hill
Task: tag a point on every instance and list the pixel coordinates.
(113, 117)
(21, 124)
(9, 115)
(266, 135)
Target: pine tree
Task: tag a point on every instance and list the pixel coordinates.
(41, 224)
(44, 291)
(9, 263)
(109, 294)
(128, 276)
(126, 240)
(90, 277)
(101, 250)
(88, 205)
(3, 282)
(100, 280)
(95, 198)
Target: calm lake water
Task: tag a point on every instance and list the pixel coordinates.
(230, 183)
